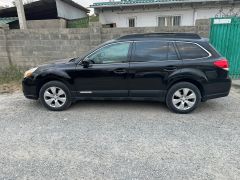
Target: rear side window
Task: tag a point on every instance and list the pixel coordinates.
(172, 55)
(154, 51)
(191, 51)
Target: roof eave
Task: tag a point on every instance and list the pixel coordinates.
(153, 3)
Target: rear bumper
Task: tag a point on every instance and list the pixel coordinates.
(29, 88)
(217, 90)
(214, 96)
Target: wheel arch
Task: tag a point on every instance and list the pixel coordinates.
(189, 80)
(52, 77)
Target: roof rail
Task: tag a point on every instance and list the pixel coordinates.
(162, 35)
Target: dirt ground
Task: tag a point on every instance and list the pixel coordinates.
(10, 87)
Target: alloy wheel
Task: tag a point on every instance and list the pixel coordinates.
(184, 99)
(55, 97)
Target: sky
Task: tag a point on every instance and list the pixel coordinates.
(86, 3)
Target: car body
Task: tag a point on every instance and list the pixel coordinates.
(137, 67)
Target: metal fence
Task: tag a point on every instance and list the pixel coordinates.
(225, 37)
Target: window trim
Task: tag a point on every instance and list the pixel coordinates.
(106, 45)
(209, 54)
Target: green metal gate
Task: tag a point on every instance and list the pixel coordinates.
(225, 37)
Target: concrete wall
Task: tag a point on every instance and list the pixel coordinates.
(43, 24)
(28, 48)
(148, 17)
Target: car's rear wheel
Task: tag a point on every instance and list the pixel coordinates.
(183, 97)
(55, 96)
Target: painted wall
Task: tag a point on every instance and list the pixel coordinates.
(66, 11)
(148, 17)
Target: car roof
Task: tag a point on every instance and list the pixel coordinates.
(190, 37)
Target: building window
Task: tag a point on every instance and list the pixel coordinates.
(176, 20)
(169, 21)
(161, 21)
(132, 22)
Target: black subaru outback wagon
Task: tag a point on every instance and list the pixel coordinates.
(180, 69)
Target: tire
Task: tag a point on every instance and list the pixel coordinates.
(55, 96)
(183, 98)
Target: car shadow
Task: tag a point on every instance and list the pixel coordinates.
(115, 104)
(127, 105)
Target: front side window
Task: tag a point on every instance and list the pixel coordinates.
(191, 51)
(154, 51)
(114, 53)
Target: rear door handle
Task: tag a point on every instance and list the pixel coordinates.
(170, 68)
(120, 71)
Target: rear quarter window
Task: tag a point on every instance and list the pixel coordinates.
(191, 51)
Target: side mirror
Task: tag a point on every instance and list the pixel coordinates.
(85, 63)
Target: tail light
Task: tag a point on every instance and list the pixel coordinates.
(222, 63)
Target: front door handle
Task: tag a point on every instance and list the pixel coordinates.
(120, 71)
(170, 68)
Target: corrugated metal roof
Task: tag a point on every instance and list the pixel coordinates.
(144, 2)
(7, 20)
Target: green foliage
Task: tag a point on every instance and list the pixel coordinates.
(10, 74)
(94, 18)
(78, 23)
(82, 23)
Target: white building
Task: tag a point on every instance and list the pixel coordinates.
(150, 13)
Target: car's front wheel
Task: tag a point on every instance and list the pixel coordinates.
(55, 96)
(183, 97)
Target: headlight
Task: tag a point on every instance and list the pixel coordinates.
(29, 72)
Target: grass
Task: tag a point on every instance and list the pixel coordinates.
(10, 74)
(10, 79)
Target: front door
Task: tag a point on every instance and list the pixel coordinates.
(107, 74)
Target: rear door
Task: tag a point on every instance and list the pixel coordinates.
(150, 66)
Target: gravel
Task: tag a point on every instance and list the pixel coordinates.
(119, 140)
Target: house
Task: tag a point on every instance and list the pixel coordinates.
(45, 13)
(151, 13)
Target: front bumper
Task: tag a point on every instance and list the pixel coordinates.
(29, 88)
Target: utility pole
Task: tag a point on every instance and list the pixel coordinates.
(21, 14)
